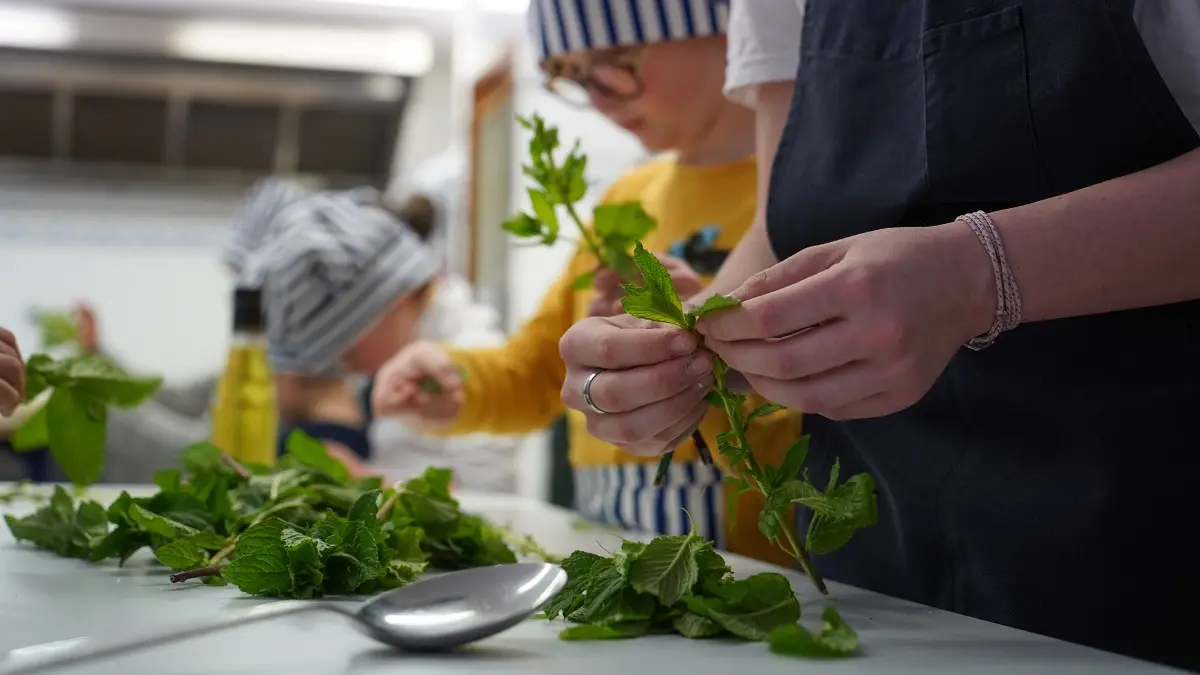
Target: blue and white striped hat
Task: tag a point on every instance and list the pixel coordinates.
(331, 265)
(563, 26)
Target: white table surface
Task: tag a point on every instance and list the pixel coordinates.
(45, 599)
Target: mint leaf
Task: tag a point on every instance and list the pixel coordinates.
(667, 568)
(750, 608)
(107, 382)
(655, 277)
(311, 453)
(160, 525)
(61, 527)
(181, 554)
(696, 627)
(33, 433)
(523, 225)
(76, 430)
(794, 460)
(545, 213)
(201, 458)
(713, 304)
(764, 410)
(620, 225)
(262, 572)
(584, 281)
(614, 632)
(644, 304)
(836, 638)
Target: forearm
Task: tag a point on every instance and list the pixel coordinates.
(1126, 243)
(753, 253)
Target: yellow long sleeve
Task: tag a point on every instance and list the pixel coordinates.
(516, 388)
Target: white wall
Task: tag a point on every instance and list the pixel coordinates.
(146, 258)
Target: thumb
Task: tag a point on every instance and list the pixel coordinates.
(808, 262)
(435, 371)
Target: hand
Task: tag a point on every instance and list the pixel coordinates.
(860, 327)
(607, 301)
(12, 374)
(398, 390)
(85, 325)
(652, 386)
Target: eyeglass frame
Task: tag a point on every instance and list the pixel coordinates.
(587, 82)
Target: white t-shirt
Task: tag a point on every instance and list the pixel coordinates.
(764, 46)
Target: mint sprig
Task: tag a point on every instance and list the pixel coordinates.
(302, 529)
(614, 231)
(74, 421)
(838, 510)
(679, 584)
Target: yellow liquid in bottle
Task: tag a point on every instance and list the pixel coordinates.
(245, 419)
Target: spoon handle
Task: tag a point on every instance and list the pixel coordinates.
(74, 654)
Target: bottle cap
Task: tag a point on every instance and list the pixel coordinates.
(248, 312)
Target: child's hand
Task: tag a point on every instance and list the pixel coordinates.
(12, 373)
(421, 384)
(607, 301)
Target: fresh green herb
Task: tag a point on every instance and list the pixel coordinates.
(836, 639)
(302, 529)
(838, 510)
(679, 584)
(57, 329)
(561, 183)
(73, 422)
(615, 227)
(431, 386)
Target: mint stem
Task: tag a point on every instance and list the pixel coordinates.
(382, 514)
(232, 463)
(180, 577)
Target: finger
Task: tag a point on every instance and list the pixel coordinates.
(807, 263)
(12, 372)
(638, 428)
(676, 436)
(10, 398)
(604, 343)
(607, 283)
(626, 390)
(7, 337)
(599, 306)
(806, 303)
(826, 392)
(677, 433)
(802, 354)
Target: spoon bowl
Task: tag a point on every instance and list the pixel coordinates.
(439, 613)
(458, 608)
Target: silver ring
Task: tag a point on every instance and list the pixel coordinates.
(587, 393)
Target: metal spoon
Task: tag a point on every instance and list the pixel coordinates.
(440, 613)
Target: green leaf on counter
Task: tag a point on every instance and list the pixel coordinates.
(666, 568)
(311, 453)
(613, 632)
(61, 526)
(696, 627)
(750, 608)
(836, 639)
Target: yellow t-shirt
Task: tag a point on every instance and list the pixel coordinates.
(516, 388)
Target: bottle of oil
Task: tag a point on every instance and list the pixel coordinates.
(245, 419)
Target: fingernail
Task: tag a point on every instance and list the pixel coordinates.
(699, 366)
(683, 344)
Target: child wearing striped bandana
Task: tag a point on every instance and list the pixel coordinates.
(348, 279)
(656, 69)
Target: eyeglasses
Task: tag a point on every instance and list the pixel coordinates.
(620, 78)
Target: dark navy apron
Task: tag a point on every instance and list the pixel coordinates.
(1048, 482)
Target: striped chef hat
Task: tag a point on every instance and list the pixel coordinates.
(331, 265)
(563, 26)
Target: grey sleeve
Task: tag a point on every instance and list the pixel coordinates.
(190, 399)
(148, 438)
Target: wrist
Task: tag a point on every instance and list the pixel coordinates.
(974, 278)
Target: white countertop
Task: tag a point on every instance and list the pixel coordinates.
(45, 599)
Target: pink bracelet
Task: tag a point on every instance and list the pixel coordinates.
(1008, 295)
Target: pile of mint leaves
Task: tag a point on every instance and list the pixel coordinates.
(301, 529)
(679, 584)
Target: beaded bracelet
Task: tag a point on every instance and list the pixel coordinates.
(1008, 295)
